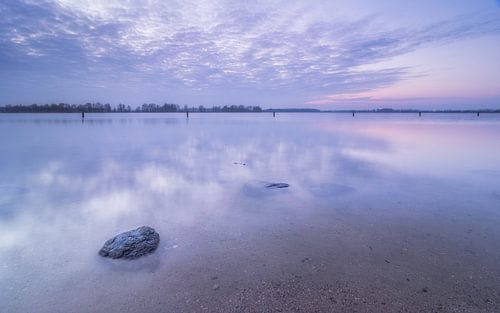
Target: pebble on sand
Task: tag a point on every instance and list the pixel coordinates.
(277, 185)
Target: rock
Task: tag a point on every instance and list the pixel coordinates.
(277, 185)
(261, 189)
(131, 244)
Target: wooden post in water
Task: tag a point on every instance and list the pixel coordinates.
(419, 113)
(477, 113)
(274, 114)
(187, 114)
(83, 115)
(352, 113)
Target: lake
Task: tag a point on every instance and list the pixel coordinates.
(384, 212)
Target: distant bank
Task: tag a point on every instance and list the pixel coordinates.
(385, 110)
(172, 108)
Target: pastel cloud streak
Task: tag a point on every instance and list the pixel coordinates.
(268, 53)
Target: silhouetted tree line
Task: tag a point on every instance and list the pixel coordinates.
(107, 108)
(171, 107)
(64, 107)
(236, 108)
(152, 107)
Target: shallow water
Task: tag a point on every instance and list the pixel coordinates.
(384, 212)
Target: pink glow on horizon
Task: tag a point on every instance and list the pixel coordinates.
(408, 96)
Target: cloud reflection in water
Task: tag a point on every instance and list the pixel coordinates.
(75, 185)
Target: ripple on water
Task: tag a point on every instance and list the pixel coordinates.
(325, 190)
(10, 195)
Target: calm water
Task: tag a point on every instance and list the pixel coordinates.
(385, 212)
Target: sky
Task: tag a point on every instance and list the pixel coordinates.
(333, 54)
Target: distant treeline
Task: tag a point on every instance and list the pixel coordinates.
(171, 107)
(296, 110)
(107, 108)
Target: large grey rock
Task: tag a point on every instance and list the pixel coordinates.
(131, 244)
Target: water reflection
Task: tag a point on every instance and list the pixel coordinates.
(64, 191)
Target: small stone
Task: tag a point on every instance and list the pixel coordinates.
(216, 287)
(277, 185)
(131, 244)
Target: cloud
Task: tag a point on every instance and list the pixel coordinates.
(215, 44)
(364, 98)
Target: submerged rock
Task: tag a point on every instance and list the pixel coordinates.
(131, 244)
(277, 185)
